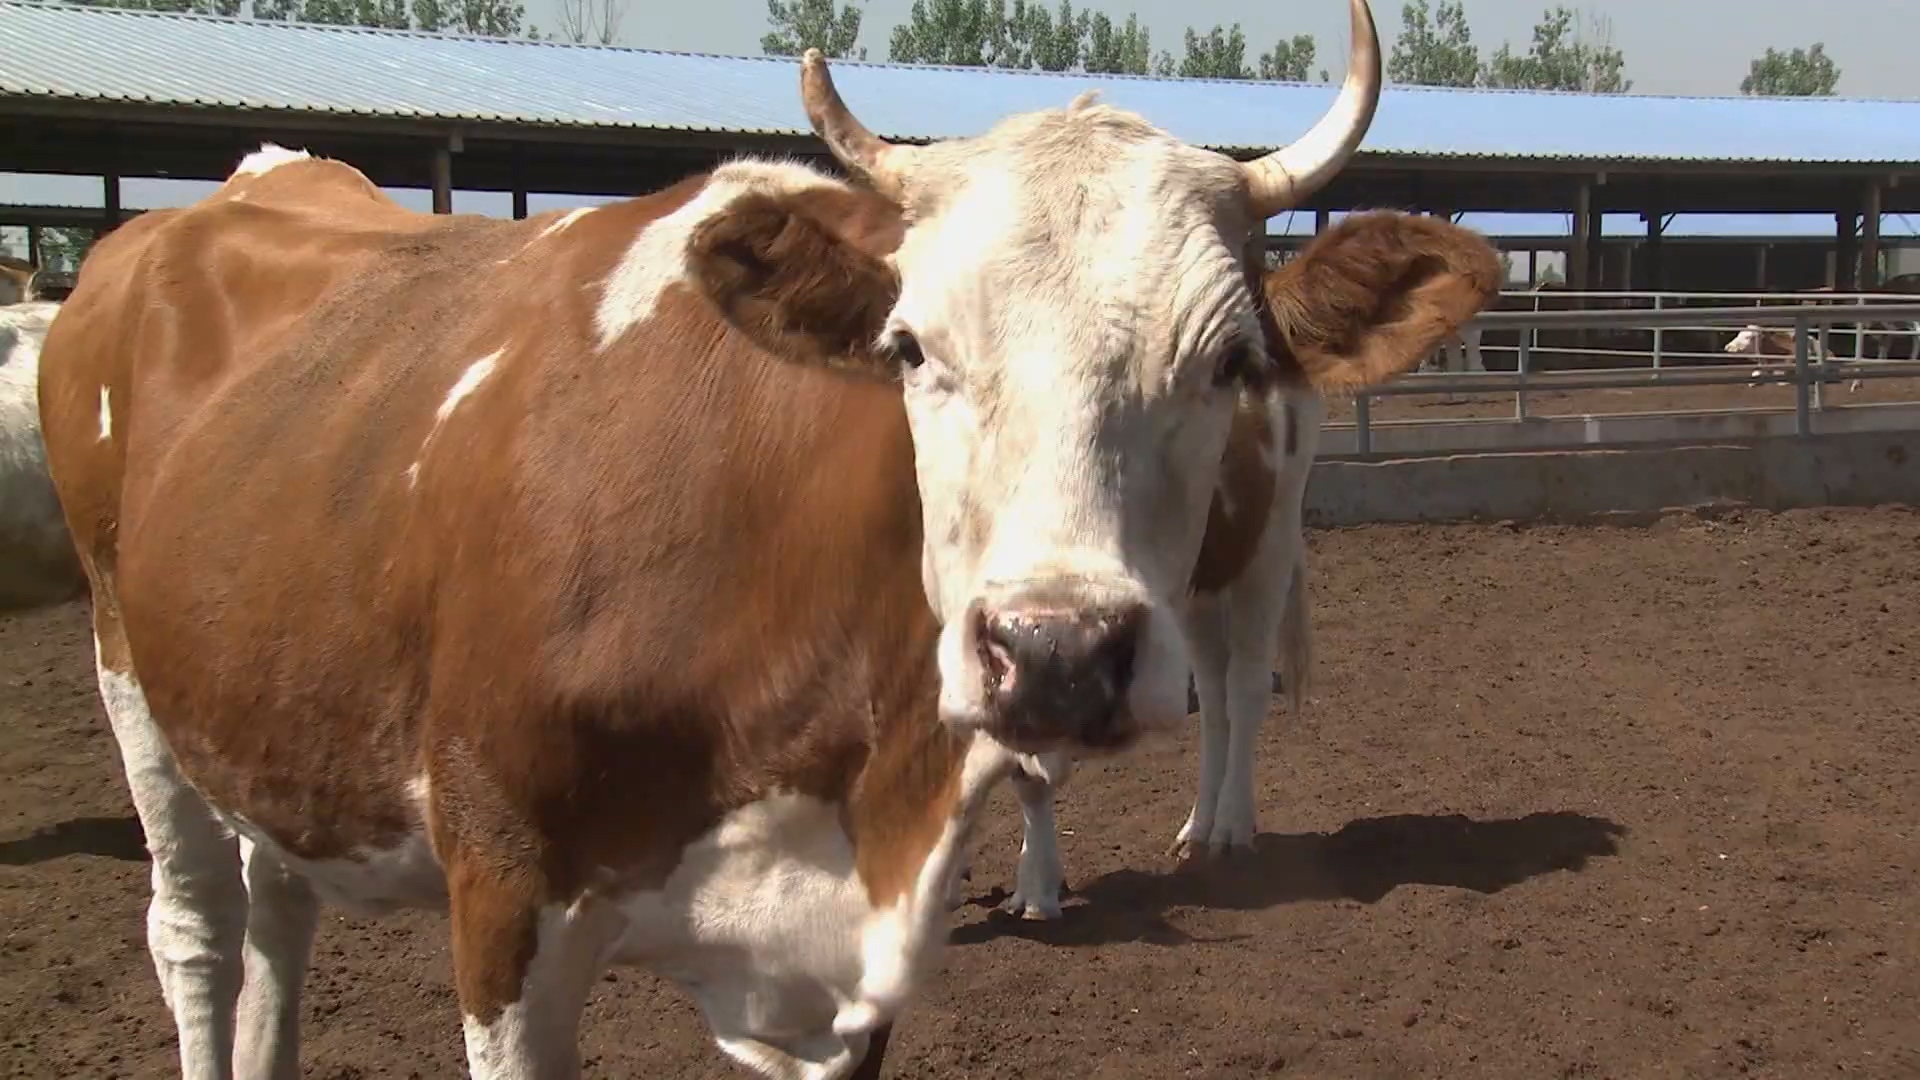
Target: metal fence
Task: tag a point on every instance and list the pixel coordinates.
(1657, 337)
(1655, 367)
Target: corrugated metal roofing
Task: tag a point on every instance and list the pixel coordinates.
(81, 53)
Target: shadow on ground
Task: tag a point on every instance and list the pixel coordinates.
(115, 838)
(1363, 861)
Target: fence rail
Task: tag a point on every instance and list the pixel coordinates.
(1804, 371)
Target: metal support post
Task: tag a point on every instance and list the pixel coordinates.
(1802, 422)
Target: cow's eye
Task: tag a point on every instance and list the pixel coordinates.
(1236, 364)
(906, 349)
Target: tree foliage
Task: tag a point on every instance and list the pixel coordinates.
(1800, 73)
(1127, 50)
(799, 25)
(1030, 36)
(598, 21)
(1435, 46)
(966, 33)
(1560, 58)
(1023, 36)
(490, 18)
(1217, 54)
(1290, 60)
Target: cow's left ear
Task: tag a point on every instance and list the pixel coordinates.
(1372, 296)
(802, 275)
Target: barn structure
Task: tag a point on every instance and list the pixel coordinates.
(114, 94)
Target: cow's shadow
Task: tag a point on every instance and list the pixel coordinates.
(1363, 861)
(111, 837)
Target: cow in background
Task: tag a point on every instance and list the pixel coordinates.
(37, 562)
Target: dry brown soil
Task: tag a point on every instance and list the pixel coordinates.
(1567, 802)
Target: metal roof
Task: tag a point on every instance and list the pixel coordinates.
(86, 54)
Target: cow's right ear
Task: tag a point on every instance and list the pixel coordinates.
(790, 271)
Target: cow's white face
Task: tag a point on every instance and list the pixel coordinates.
(1073, 323)
(1070, 320)
(1746, 341)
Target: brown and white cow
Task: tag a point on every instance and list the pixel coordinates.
(1756, 340)
(37, 561)
(680, 609)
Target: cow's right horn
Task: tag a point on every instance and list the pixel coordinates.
(880, 162)
(1286, 177)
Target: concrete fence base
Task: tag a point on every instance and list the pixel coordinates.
(1855, 469)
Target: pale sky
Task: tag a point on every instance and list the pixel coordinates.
(1671, 46)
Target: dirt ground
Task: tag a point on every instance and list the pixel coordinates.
(1600, 802)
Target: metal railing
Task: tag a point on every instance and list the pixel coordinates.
(1805, 374)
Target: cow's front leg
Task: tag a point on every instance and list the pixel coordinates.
(523, 969)
(1037, 882)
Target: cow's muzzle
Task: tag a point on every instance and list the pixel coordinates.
(1055, 672)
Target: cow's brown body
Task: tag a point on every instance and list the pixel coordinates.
(628, 591)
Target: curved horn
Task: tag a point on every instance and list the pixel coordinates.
(857, 148)
(1286, 177)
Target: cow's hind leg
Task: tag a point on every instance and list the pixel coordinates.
(1262, 621)
(282, 914)
(523, 968)
(1207, 636)
(196, 922)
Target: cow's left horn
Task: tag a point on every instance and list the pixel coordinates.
(1286, 177)
(857, 148)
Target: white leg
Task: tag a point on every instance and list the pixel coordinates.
(1263, 610)
(196, 922)
(537, 1035)
(282, 914)
(1207, 635)
(1036, 884)
(1254, 633)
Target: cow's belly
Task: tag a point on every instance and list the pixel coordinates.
(369, 879)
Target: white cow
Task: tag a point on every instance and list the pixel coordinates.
(37, 561)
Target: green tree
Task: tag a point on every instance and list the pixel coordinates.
(192, 7)
(1126, 51)
(1218, 54)
(1050, 41)
(799, 25)
(488, 18)
(1290, 60)
(1800, 73)
(965, 33)
(1560, 60)
(599, 21)
(989, 33)
(1435, 46)
(432, 16)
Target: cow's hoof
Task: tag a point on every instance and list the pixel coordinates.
(1035, 910)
